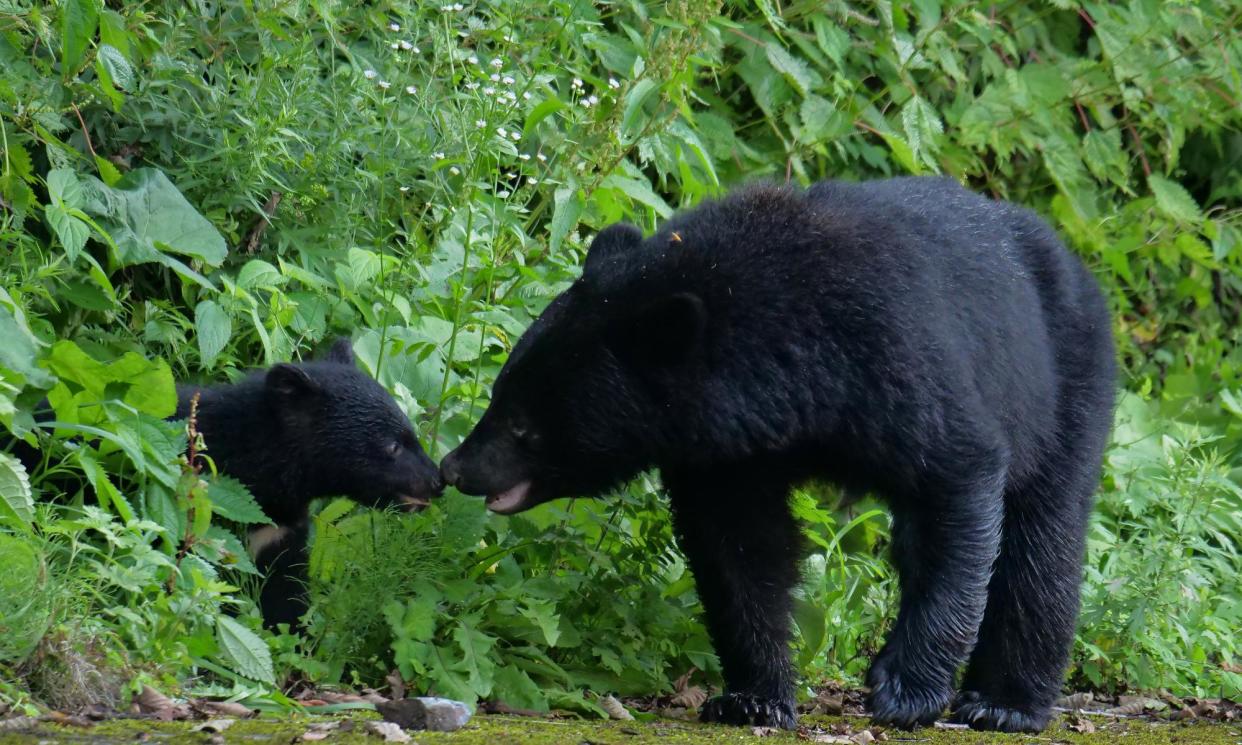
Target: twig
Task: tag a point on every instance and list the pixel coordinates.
(265, 219)
(85, 135)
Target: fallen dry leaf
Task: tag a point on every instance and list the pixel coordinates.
(226, 708)
(691, 698)
(1076, 701)
(313, 736)
(1079, 723)
(153, 703)
(1135, 705)
(387, 730)
(615, 709)
(863, 738)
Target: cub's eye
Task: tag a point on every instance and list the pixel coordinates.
(394, 448)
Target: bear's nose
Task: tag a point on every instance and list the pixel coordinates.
(449, 470)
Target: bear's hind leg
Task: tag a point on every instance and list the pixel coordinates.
(282, 560)
(1018, 665)
(742, 544)
(945, 539)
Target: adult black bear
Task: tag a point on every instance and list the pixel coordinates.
(296, 432)
(905, 337)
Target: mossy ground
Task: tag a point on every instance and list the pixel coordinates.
(501, 730)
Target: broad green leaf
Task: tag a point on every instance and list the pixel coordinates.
(17, 346)
(640, 191)
(214, 327)
(117, 66)
(543, 614)
(543, 110)
(161, 508)
(16, 498)
(801, 77)
(71, 231)
(567, 206)
(259, 273)
(476, 660)
(512, 685)
(63, 186)
(145, 215)
(245, 650)
(78, 21)
(232, 500)
(1174, 201)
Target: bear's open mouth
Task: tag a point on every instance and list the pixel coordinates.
(510, 500)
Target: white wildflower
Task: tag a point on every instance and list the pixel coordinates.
(532, 181)
(394, 27)
(480, 123)
(542, 158)
(369, 74)
(416, 50)
(489, 91)
(515, 136)
(411, 90)
(524, 156)
(525, 95)
(438, 155)
(593, 99)
(395, 45)
(404, 189)
(503, 193)
(455, 170)
(458, 7)
(384, 84)
(612, 83)
(472, 60)
(586, 103)
(494, 78)
(577, 83)
(407, 46)
(472, 86)
(497, 63)
(507, 80)
(502, 131)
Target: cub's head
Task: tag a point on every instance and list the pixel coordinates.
(347, 434)
(588, 395)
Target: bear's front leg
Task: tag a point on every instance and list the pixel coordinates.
(742, 544)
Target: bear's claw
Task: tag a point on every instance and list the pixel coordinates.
(744, 709)
(973, 709)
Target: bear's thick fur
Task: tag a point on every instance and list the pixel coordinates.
(905, 337)
(297, 432)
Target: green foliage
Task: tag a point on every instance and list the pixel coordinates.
(189, 190)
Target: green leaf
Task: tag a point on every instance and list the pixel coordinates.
(476, 662)
(244, 651)
(795, 70)
(543, 614)
(105, 490)
(512, 685)
(71, 231)
(64, 187)
(231, 499)
(214, 328)
(17, 346)
(546, 108)
(146, 215)
(78, 21)
(259, 273)
(567, 207)
(1174, 201)
(16, 498)
(640, 191)
(635, 98)
(117, 66)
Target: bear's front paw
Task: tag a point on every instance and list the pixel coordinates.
(744, 709)
(897, 701)
(971, 707)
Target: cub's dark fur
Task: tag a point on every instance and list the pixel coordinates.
(905, 337)
(296, 432)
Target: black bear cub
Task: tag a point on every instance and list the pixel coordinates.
(296, 432)
(905, 337)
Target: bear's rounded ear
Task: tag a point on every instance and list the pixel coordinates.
(341, 351)
(290, 382)
(609, 242)
(665, 331)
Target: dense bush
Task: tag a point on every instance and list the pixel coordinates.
(188, 189)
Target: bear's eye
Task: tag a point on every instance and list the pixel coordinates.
(394, 448)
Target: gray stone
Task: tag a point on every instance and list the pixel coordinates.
(429, 713)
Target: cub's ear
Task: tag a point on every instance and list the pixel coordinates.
(609, 242)
(341, 351)
(665, 331)
(290, 382)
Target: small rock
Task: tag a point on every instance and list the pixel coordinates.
(388, 730)
(615, 709)
(430, 713)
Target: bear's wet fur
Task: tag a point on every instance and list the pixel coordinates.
(299, 431)
(904, 337)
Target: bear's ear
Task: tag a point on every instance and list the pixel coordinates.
(661, 332)
(609, 242)
(290, 382)
(341, 351)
